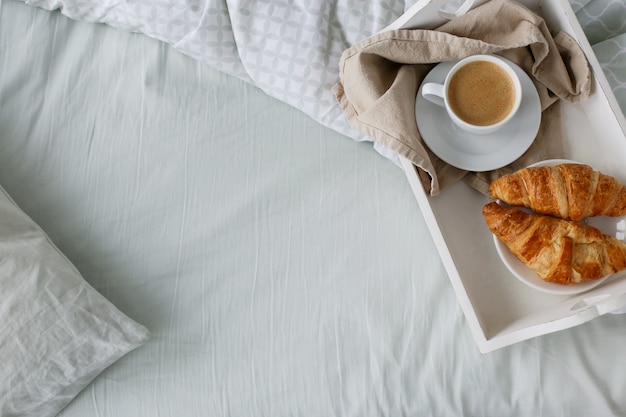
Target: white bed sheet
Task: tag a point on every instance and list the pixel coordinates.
(282, 269)
(291, 50)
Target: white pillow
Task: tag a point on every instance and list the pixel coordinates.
(57, 333)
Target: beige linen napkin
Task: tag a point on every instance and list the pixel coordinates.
(380, 77)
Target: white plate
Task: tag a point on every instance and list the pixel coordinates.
(478, 152)
(613, 226)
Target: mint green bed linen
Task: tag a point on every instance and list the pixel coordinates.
(604, 23)
(282, 269)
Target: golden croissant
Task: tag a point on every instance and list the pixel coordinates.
(558, 250)
(568, 191)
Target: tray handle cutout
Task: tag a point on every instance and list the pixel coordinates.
(455, 8)
(601, 303)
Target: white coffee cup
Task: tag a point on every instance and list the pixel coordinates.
(481, 93)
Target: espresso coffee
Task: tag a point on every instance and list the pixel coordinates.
(481, 93)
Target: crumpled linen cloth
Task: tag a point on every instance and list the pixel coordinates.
(380, 77)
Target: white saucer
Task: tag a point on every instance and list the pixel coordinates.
(612, 226)
(478, 152)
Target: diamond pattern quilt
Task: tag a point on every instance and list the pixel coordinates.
(291, 49)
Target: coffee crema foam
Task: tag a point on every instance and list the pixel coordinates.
(481, 93)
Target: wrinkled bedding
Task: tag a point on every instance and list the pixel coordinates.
(291, 50)
(202, 183)
(604, 23)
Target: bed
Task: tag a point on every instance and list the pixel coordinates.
(254, 254)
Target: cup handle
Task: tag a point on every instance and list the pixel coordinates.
(433, 92)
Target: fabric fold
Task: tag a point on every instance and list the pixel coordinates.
(380, 77)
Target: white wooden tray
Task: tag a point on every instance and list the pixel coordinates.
(499, 309)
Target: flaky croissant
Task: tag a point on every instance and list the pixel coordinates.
(558, 250)
(568, 191)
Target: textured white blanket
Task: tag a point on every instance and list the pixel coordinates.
(291, 49)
